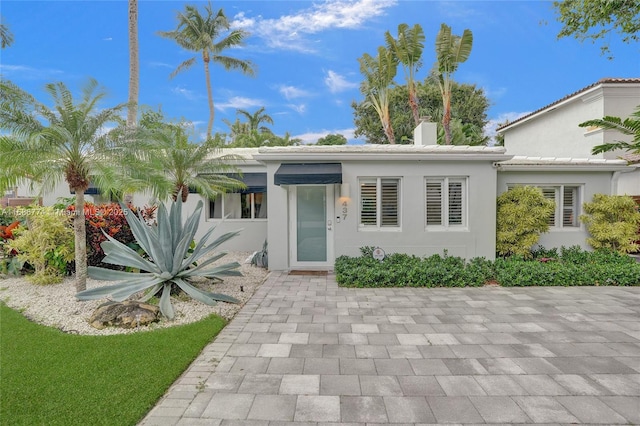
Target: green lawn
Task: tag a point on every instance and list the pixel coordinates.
(49, 377)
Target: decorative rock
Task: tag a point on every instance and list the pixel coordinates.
(128, 314)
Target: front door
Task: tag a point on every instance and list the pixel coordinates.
(311, 221)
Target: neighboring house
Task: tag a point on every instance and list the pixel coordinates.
(551, 151)
(315, 203)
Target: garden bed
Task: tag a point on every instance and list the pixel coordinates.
(565, 267)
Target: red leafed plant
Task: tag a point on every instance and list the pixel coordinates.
(110, 219)
(6, 232)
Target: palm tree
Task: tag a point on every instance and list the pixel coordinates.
(68, 142)
(408, 50)
(254, 120)
(134, 64)
(6, 36)
(174, 165)
(629, 126)
(198, 33)
(379, 73)
(451, 51)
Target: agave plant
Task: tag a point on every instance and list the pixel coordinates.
(170, 261)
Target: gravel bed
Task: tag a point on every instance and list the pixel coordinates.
(56, 306)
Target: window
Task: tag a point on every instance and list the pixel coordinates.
(251, 205)
(445, 202)
(566, 198)
(380, 202)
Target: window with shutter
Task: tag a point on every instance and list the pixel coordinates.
(379, 202)
(567, 202)
(390, 199)
(445, 202)
(550, 194)
(368, 203)
(455, 203)
(434, 202)
(569, 206)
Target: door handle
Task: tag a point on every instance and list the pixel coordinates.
(329, 224)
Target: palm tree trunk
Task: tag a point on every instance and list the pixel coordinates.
(388, 131)
(446, 118)
(209, 95)
(134, 68)
(80, 242)
(413, 103)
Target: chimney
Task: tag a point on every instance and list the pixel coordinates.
(426, 133)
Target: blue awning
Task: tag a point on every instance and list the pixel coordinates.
(308, 174)
(256, 182)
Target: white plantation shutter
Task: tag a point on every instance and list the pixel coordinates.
(390, 199)
(455, 203)
(550, 194)
(379, 202)
(570, 206)
(434, 202)
(445, 198)
(368, 202)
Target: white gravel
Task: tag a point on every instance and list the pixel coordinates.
(56, 305)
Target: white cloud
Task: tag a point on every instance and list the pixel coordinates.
(289, 32)
(291, 92)
(492, 125)
(186, 93)
(312, 137)
(337, 83)
(156, 64)
(29, 73)
(299, 108)
(107, 39)
(494, 93)
(236, 102)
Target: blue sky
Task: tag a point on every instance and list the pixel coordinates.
(306, 55)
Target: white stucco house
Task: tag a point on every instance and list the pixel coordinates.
(315, 203)
(550, 150)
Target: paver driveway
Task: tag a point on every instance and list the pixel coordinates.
(304, 350)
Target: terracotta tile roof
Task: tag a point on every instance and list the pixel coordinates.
(571, 95)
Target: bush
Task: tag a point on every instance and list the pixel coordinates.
(47, 245)
(111, 220)
(398, 270)
(565, 267)
(612, 221)
(523, 214)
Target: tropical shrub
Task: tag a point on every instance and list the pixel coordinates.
(399, 270)
(170, 260)
(109, 219)
(612, 221)
(570, 266)
(46, 244)
(522, 215)
(9, 263)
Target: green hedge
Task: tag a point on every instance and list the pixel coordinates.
(567, 267)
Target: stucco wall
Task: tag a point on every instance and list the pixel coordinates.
(555, 132)
(413, 237)
(590, 182)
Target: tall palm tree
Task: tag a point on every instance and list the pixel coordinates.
(69, 142)
(629, 126)
(408, 49)
(379, 73)
(208, 35)
(134, 64)
(174, 165)
(451, 51)
(254, 120)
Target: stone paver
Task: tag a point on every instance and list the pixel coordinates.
(303, 351)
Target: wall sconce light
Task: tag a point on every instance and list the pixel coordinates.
(345, 190)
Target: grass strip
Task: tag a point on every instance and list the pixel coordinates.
(49, 377)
